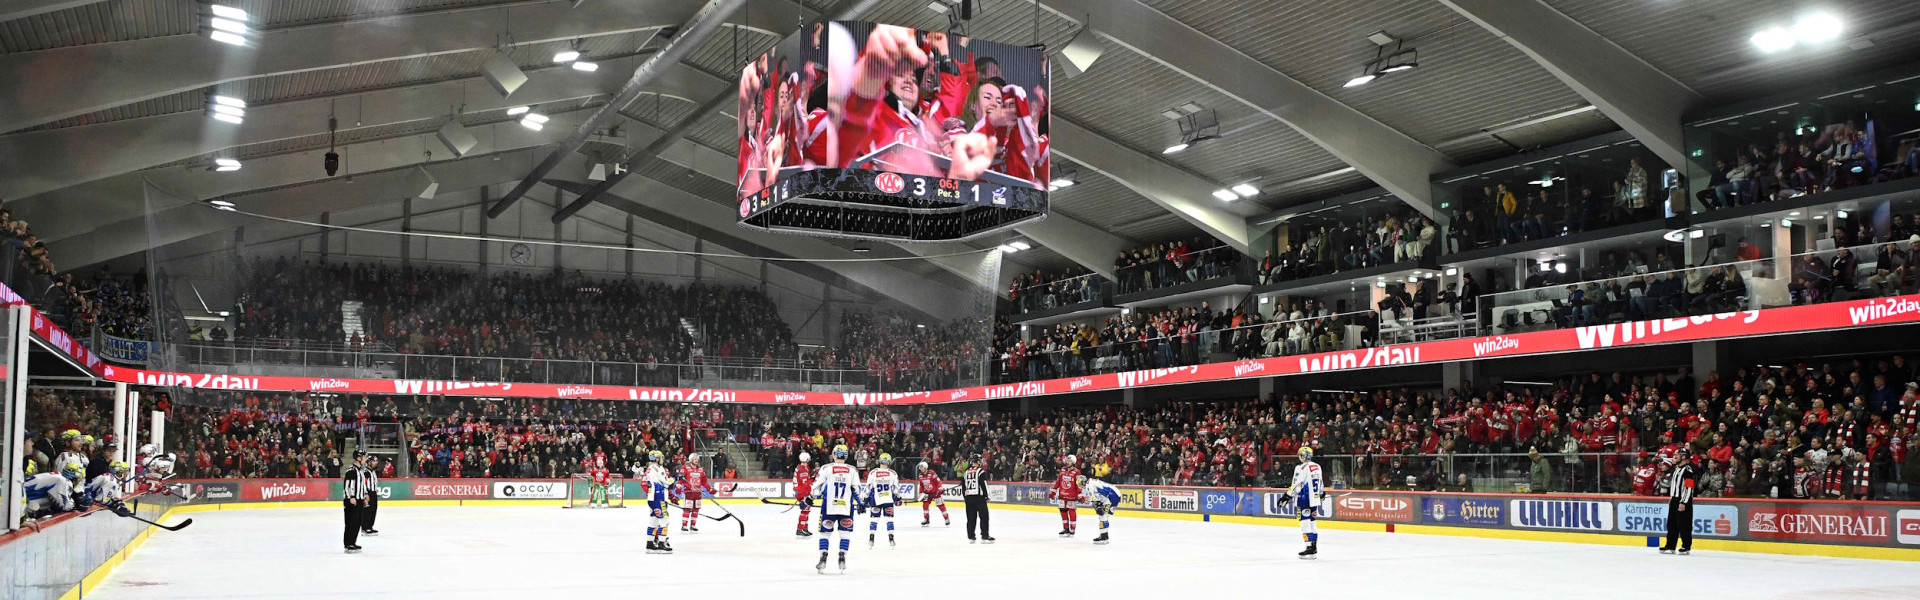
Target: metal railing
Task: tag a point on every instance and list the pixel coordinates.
(1803, 278)
(1343, 331)
(1200, 265)
(1059, 292)
(1594, 473)
(520, 370)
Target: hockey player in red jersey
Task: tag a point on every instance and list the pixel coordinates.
(930, 495)
(1066, 489)
(803, 489)
(602, 482)
(696, 485)
(1644, 475)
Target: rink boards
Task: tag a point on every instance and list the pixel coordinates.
(1834, 528)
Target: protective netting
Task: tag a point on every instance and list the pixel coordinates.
(302, 434)
(433, 289)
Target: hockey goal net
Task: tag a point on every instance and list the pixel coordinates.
(580, 491)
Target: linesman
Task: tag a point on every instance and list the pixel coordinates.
(355, 486)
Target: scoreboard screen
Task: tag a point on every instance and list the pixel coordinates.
(876, 131)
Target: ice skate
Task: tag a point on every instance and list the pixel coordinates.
(821, 567)
(986, 539)
(1313, 550)
(802, 533)
(869, 541)
(1102, 540)
(353, 549)
(926, 522)
(683, 529)
(693, 529)
(666, 548)
(890, 543)
(653, 547)
(373, 532)
(843, 562)
(1685, 552)
(1064, 532)
(1666, 551)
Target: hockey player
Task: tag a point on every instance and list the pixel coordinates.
(1103, 498)
(601, 482)
(657, 481)
(803, 490)
(1066, 489)
(838, 488)
(694, 481)
(52, 493)
(1306, 495)
(72, 449)
(108, 488)
(882, 483)
(930, 490)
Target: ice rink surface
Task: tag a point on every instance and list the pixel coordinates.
(474, 553)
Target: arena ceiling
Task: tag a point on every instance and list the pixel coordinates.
(109, 94)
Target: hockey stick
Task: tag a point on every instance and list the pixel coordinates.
(729, 515)
(123, 511)
(776, 502)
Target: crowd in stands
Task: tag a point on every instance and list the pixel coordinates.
(1517, 211)
(1173, 263)
(1392, 237)
(442, 311)
(1040, 291)
(901, 355)
(1840, 429)
(1807, 160)
(1180, 336)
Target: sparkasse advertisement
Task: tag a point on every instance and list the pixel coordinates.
(1711, 520)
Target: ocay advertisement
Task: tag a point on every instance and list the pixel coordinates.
(538, 490)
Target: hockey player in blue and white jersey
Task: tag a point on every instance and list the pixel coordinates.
(1307, 494)
(108, 487)
(52, 493)
(882, 486)
(657, 481)
(838, 490)
(1104, 498)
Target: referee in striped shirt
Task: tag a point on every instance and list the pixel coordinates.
(356, 485)
(1681, 484)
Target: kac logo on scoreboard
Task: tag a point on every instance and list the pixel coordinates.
(889, 183)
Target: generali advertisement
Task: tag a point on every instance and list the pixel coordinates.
(1801, 523)
(451, 489)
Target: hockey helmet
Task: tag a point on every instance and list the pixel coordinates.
(693, 459)
(86, 440)
(73, 471)
(1080, 480)
(840, 452)
(1071, 459)
(1306, 453)
(147, 450)
(804, 457)
(69, 435)
(923, 465)
(886, 459)
(656, 456)
(119, 468)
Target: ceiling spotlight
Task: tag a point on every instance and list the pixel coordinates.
(1841, 214)
(1404, 60)
(1008, 249)
(225, 208)
(225, 37)
(1364, 78)
(228, 110)
(1174, 148)
(1451, 271)
(1059, 182)
(1246, 190)
(1195, 128)
(581, 65)
(1817, 28)
(939, 6)
(1226, 195)
(1019, 245)
(228, 118)
(1772, 39)
(229, 101)
(228, 25)
(226, 164)
(220, 203)
(1560, 267)
(566, 56)
(518, 110)
(534, 121)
